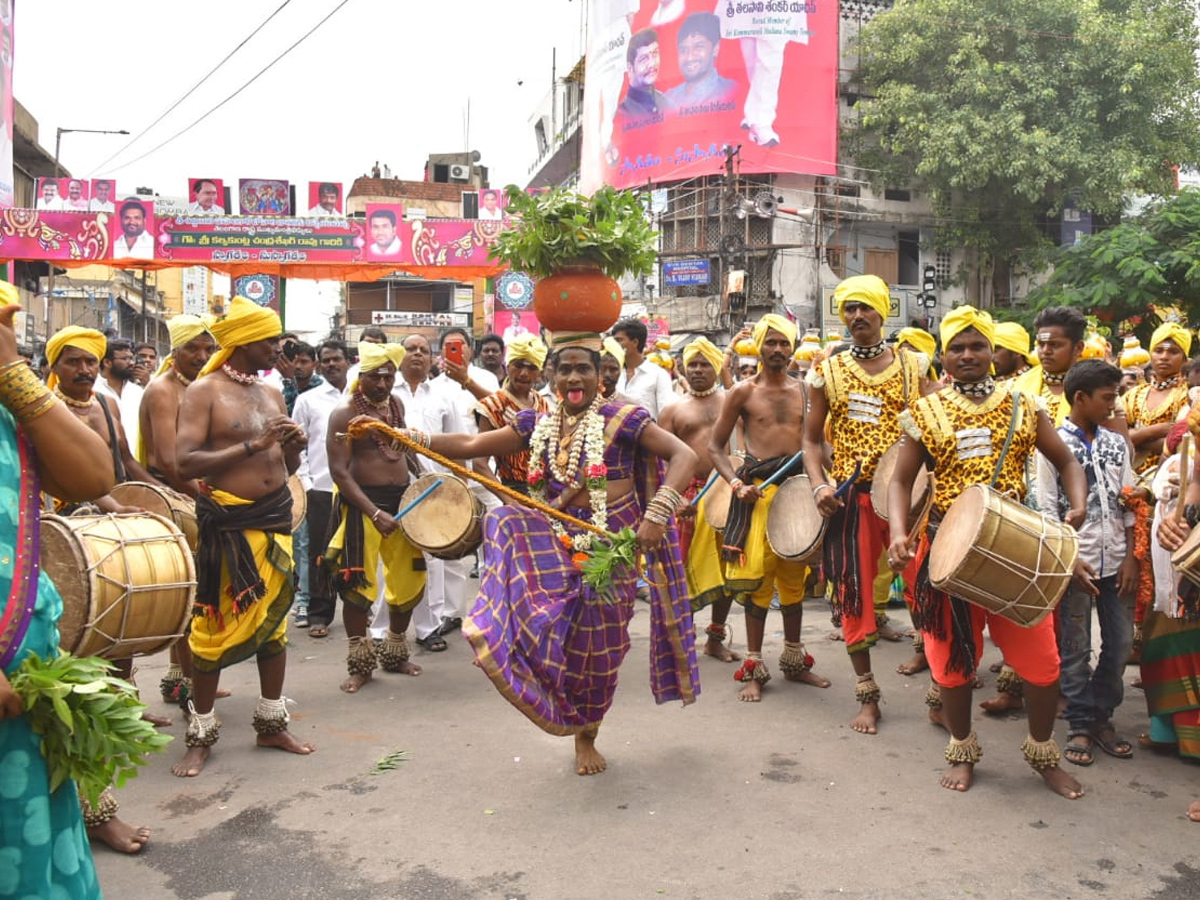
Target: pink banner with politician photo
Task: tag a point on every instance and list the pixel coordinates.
(133, 229)
(206, 197)
(670, 84)
(384, 221)
(324, 199)
(62, 194)
(7, 194)
(264, 197)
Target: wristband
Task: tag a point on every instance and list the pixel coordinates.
(736, 484)
(817, 489)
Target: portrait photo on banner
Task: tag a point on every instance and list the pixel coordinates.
(206, 197)
(62, 194)
(264, 197)
(325, 198)
(671, 82)
(384, 221)
(103, 195)
(134, 229)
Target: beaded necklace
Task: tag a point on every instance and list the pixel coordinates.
(180, 377)
(588, 440)
(76, 404)
(708, 393)
(868, 352)
(975, 388)
(240, 377)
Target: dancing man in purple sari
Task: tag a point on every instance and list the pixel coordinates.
(550, 645)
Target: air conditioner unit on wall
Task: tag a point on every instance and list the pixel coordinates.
(460, 173)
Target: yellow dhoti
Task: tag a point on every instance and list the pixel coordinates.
(760, 573)
(704, 565)
(403, 564)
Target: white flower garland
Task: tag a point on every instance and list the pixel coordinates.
(588, 438)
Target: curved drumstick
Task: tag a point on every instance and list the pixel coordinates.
(846, 485)
(787, 465)
(421, 496)
(1185, 474)
(712, 479)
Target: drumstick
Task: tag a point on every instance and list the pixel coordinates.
(421, 496)
(923, 518)
(712, 479)
(845, 485)
(779, 472)
(1185, 473)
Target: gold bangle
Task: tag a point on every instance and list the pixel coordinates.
(20, 387)
(41, 409)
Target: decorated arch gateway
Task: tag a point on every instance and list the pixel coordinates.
(318, 248)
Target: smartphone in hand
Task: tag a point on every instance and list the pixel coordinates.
(453, 351)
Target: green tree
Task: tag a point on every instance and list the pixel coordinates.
(1133, 271)
(1002, 111)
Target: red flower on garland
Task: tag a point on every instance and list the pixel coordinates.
(578, 559)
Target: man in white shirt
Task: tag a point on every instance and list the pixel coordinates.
(204, 190)
(384, 240)
(50, 201)
(327, 201)
(102, 196)
(311, 413)
(515, 329)
(489, 205)
(116, 381)
(75, 199)
(642, 382)
(134, 241)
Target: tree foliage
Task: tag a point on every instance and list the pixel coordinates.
(1002, 111)
(1135, 270)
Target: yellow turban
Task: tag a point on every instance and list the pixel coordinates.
(182, 329)
(773, 320)
(244, 323)
(527, 348)
(1172, 331)
(375, 356)
(702, 346)
(87, 339)
(615, 350)
(1133, 354)
(1011, 336)
(919, 339)
(869, 289)
(9, 294)
(963, 317)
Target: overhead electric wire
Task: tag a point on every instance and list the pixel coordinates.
(257, 76)
(170, 109)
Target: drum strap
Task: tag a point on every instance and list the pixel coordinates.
(1012, 428)
(113, 444)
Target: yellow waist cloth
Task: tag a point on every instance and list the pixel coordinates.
(704, 565)
(761, 572)
(230, 637)
(403, 566)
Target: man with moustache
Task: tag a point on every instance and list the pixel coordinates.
(235, 435)
(371, 474)
(691, 419)
(491, 355)
(134, 241)
(698, 42)
(526, 356)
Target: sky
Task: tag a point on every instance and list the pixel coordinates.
(386, 80)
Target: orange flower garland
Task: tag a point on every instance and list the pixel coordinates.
(1136, 503)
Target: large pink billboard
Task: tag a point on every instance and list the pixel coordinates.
(671, 84)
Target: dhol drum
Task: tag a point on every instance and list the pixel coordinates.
(128, 582)
(1186, 559)
(795, 529)
(921, 490)
(162, 501)
(299, 501)
(716, 500)
(448, 523)
(1002, 556)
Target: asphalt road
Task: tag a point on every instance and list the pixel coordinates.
(723, 799)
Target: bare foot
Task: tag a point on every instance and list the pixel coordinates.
(1002, 703)
(410, 668)
(835, 635)
(751, 692)
(717, 650)
(285, 740)
(1193, 812)
(156, 721)
(918, 663)
(1137, 683)
(588, 760)
(808, 676)
(192, 763)
(222, 693)
(120, 836)
(888, 633)
(938, 717)
(353, 682)
(995, 667)
(866, 720)
(1061, 708)
(958, 777)
(1061, 782)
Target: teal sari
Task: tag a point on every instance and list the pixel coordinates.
(44, 849)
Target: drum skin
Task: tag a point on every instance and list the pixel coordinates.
(299, 501)
(883, 480)
(448, 524)
(795, 529)
(1002, 556)
(718, 497)
(162, 501)
(1186, 559)
(128, 582)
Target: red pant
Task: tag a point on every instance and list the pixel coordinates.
(1032, 652)
(854, 545)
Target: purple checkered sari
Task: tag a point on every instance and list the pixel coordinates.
(548, 643)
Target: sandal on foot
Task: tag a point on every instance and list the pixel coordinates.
(1111, 742)
(320, 630)
(1077, 753)
(434, 643)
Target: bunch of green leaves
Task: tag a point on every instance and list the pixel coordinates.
(609, 230)
(606, 557)
(389, 762)
(90, 722)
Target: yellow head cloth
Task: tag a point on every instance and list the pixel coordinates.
(919, 339)
(869, 289)
(181, 329)
(244, 323)
(9, 294)
(1011, 336)
(376, 356)
(963, 317)
(773, 320)
(702, 346)
(1172, 331)
(1133, 354)
(87, 339)
(615, 350)
(528, 348)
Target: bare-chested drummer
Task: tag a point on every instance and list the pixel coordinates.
(235, 435)
(770, 407)
(371, 474)
(691, 419)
